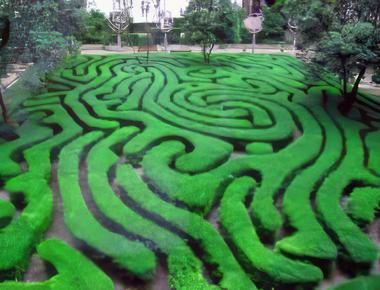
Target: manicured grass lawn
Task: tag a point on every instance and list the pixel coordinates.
(238, 175)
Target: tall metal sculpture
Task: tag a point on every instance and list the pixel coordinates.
(91, 4)
(120, 18)
(165, 23)
(254, 21)
(293, 28)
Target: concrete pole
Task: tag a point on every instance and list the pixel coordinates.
(119, 40)
(166, 41)
(253, 42)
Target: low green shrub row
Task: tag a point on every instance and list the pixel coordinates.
(29, 133)
(19, 237)
(129, 254)
(363, 204)
(356, 244)
(216, 251)
(310, 239)
(185, 269)
(75, 272)
(235, 219)
(371, 282)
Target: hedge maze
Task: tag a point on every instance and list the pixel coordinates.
(238, 175)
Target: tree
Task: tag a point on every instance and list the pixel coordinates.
(230, 19)
(346, 52)
(200, 23)
(273, 26)
(209, 21)
(40, 32)
(344, 34)
(94, 28)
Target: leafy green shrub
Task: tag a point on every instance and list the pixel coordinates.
(75, 272)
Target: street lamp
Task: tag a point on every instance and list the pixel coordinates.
(120, 18)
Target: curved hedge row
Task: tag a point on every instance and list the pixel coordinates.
(75, 272)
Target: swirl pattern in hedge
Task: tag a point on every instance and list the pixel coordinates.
(238, 175)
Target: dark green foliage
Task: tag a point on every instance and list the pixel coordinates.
(274, 25)
(207, 22)
(94, 28)
(35, 26)
(344, 34)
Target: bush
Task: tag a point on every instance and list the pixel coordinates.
(48, 45)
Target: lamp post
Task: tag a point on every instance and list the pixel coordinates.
(120, 18)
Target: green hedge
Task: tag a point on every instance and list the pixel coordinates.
(75, 272)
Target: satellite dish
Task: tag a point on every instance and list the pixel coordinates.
(254, 22)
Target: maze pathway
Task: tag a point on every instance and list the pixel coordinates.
(238, 175)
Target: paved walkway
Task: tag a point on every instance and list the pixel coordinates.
(368, 86)
(261, 48)
(14, 72)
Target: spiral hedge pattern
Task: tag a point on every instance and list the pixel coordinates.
(238, 175)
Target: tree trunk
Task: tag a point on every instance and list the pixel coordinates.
(204, 52)
(3, 107)
(355, 88)
(350, 98)
(209, 52)
(345, 85)
(345, 78)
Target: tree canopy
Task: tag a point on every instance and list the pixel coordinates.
(210, 21)
(37, 31)
(345, 36)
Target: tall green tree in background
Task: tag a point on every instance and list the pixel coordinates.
(200, 23)
(40, 32)
(94, 28)
(345, 35)
(229, 16)
(210, 21)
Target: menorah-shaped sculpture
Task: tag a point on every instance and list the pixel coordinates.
(254, 21)
(164, 22)
(293, 28)
(120, 18)
(165, 25)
